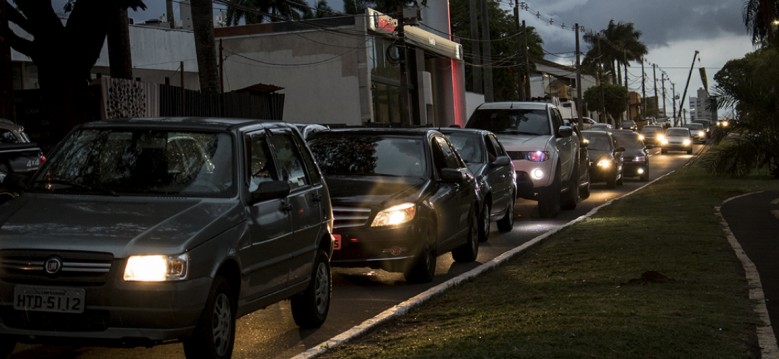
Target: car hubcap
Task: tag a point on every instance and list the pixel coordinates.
(322, 288)
(221, 324)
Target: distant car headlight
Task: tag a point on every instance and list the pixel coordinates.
(394, 215)
(641, 137)
(537, 156)
(662, 139)
(701, 133)
(604, 163)
(687, 142)
(156, 268)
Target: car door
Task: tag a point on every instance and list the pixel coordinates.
(452, 201)
(304, 202)
(566, 146)
(500, 178)
(264, 253)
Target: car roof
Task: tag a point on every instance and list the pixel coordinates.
(367, 131)
(474, 131)
(195, 123)
(514, 105)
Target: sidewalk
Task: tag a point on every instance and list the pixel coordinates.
(753, 220)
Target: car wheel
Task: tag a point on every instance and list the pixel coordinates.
(506, 223)
(7, 346)
(215, 333)
(571, 196)
(423, 270)
(310, 308)
(584, 191)
(549, 198)
(484, 223)
(470, 250)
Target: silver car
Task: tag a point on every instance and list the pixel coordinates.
(142, 231)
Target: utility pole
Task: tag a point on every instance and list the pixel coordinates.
(478, 85)
(405, 119)
(579, 102)
(487, 52)
(526, 75)
(654, 78)
(600, 81)
(662, 81)
(520, 85)
(684, 94)
(673, 98)
(643, 90)
(627, 88)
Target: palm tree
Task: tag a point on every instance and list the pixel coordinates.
(258, 11)
(760, 18)
(614, 47)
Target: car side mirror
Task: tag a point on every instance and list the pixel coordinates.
(501, 161)
(452, 175)
(565, 131)
(270, 190)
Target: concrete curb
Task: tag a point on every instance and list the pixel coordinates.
(765, 333)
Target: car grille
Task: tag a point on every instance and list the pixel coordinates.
(344, 217)
(78, 268)
(517, 155)
(89, 321)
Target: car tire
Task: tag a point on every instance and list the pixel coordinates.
(215, 333)
(584, 191)
(484, 222)
(571, 196)
(7, 346)
(310, 308)
(506, 223)
(423, 269)
(468, 251)
(549, 198)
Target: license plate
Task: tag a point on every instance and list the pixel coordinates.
(49, 299)
(336, 242)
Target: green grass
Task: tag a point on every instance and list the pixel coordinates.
(580, 293)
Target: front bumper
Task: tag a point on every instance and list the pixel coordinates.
(392, 248)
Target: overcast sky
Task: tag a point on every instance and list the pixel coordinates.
(671, 29)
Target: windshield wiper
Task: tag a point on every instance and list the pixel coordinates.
(98, 189)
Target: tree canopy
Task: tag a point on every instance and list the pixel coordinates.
(612, 47)
(610, 97)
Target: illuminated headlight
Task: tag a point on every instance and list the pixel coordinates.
(641, 137)
(687, 142)
(701, 133)
(640, 171)
(537, 174)
(639, 159)
(156, 268)
(661, 139)
(604, 163)
(538, 156)
(394, 215)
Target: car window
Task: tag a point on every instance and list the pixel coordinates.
(628, 140)
(6, 136)
(468, 146)
(260, 162)
(494, 149)
(599, 142)
(290, 160)
(364, 155)
(534, 122)
(557, 119)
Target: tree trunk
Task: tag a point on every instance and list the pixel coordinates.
(119, 53)
(6, 86)
(205, 46)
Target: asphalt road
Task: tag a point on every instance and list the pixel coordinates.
(360, 294)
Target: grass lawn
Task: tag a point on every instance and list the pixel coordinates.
(651, 276)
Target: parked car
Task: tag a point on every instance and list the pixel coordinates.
(677, 139)
(635, 158)
(17, 154)
(605, 158)
(628, 125)
(489, 162)
(548, 156)
(653, 135)
(400, 198)
(128, 235)
(697, 131)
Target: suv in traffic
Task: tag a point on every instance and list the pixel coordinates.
(143, 231)
(549, 157)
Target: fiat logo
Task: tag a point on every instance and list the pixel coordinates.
(53, 265)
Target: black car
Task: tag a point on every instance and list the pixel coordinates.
(489, 162)
(635, 158)
(605, 158)
(400, 198)
(654, 135)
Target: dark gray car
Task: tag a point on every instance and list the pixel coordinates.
(142, 231)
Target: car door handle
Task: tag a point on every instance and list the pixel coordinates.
(286, 206)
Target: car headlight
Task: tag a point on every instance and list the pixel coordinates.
(687, 142)
(156, 268)
(639, 159)
(701, 133)
(537, 156)
(395, 215)
(604, 163)
(661, 139)
(641, 137)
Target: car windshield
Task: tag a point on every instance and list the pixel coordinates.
(512, 121)
(628, 140)
(678, 132)
(468, 147)
(357, 155)
(650, 129)
(140, 162)
(598, 141)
